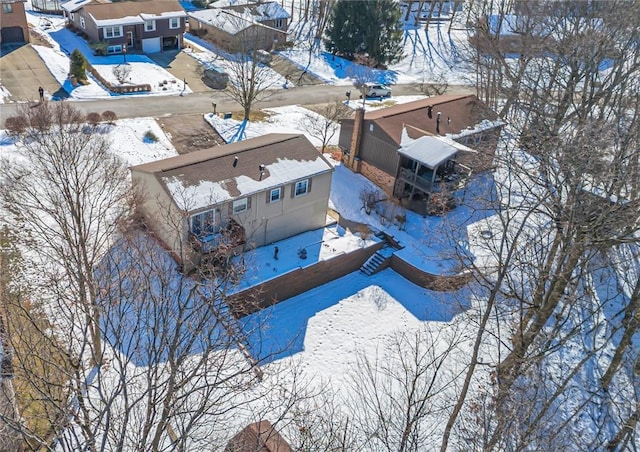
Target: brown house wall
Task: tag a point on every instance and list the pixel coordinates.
(299, 281)
(380, 178)
(377, 149)
(17, 18)
(254, 37)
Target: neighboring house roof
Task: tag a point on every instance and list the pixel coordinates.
(204, 178)
(259, 436)
(75, 5)
(235, 17)
(13, 1)
(128, 13)
(458, 112)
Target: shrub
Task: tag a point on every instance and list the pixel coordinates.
(369, 199)
(78, 65)
(121, 72)
(109, 116)
(94, 118)
(15, 125)
(99, 47)
(149, 136)
(440, 203)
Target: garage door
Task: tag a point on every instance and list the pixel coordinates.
(151, 45)
(12, 34)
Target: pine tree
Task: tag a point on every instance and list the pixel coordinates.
(366, 27)
(78, 65)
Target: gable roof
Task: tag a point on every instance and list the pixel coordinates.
(258, 437)
(233, 17)
(130, 12)
(457, 112)
(204, 178)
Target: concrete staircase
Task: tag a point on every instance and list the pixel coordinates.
(373, 264)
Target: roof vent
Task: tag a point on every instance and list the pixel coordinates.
(261, 171)
(235, 161)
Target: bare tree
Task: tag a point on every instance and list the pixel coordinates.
(67, 196)
(249, 79)
(323, 123)
(567, 203)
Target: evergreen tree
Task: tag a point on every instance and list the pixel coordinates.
(78, 65)
(371, 27)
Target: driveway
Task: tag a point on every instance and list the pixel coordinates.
(183, 67)
(22, 71)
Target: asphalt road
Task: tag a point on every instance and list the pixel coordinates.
(157, 106)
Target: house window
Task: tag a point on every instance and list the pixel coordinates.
(72, 16)
(240, 205)
(114, 49)
(302, 187)
(174, 22)
(7, 8)
(275, 195)
(149, 25)
(82, 23)
(205, 223)
(112, 32)
(279, 23)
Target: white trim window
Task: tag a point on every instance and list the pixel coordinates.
(205, 223)
(112, 32)
(240, 205)
(7, 8)
(174, 22)
(149, 25)
(275, 195)
(113, 50)
(302, 188)
(72, 16)
(83, 24)
(278, 23)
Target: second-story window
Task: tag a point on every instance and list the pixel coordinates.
(7, 8)
(279, 23)
(174, 22)
(149, 25)
(240, 205)
(275, 195)
(82, 22)
(302, 187)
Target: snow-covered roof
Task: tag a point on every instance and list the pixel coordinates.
(74, 5)
(430, 151)
(201, 179)
(228, 21)
(128, 20)
(272, 11)
(233, 17)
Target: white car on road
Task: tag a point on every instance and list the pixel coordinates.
(371, 90)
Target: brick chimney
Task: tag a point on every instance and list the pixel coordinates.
(354, 153)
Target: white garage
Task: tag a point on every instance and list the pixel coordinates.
(151, 45)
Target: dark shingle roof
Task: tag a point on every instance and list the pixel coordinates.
(462, 110)
(116, 10)
(286, 157)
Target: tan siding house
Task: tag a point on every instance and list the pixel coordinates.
(235, 196)
(242, 27)
(13, 22)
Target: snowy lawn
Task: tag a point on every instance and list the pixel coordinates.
(356, 311)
